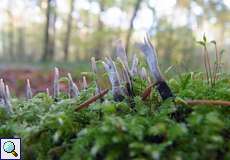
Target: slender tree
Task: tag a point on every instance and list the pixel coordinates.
(3, 41)
(21, 42)
(100, 27)
(68, 31)
(10, 30)
(50, 30)
(130, 30)
(186, 4)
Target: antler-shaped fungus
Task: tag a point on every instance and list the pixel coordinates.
(56, 88)
(29, 93)
(73, 89)
(120, 51)
(84, 83)
(134, 70)
(5, 96)
(114, 79)
(94, 68)
(151, 57)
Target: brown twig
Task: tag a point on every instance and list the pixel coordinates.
(91, 100)
(208, 102)
(147, 92)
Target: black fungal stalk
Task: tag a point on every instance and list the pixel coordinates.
(151, 57)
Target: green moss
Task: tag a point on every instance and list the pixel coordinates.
(111, 130)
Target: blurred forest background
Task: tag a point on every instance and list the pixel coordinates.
(74, 30)
(47, 32)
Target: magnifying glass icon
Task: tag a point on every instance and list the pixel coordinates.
(9, 147)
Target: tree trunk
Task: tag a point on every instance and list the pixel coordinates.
(136, 8)
(49, 42)
(53, 31)
(68, 31)
(11, 42)
(10, 31)
(100, 27)
(21, 42)
(3, 37)
(189, 16)
(46, 41)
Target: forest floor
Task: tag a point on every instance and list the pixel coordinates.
(40, 75)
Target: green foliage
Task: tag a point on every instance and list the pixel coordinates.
(113, 130)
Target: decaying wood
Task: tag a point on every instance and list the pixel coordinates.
(91, 100)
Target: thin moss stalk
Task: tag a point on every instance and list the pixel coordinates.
(216, 64)
(208, 65)
(120, 50)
